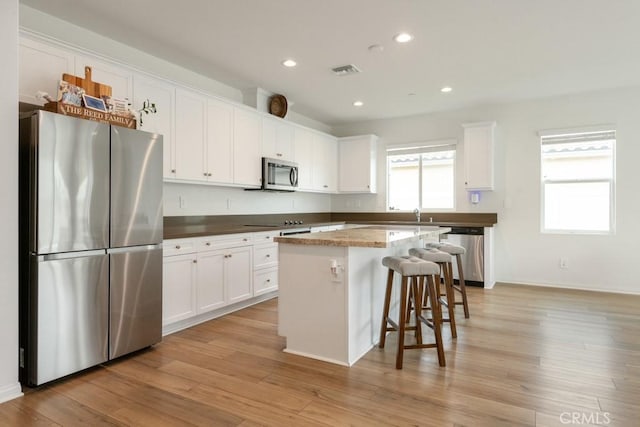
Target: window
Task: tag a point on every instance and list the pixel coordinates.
(421, 177)
(578, 182)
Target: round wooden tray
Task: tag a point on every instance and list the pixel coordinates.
(278, 105)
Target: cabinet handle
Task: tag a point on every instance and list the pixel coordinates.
(209, 174)
(244, 240)
(173, 171)
(208, 244)
(279, 154)
(268, 256)
(205, 174)
(266, 237)
(195, 261)
(177, 246)
(268, 280)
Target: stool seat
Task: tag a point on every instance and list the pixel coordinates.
(447, 247)
(430, 254)
(410, 266)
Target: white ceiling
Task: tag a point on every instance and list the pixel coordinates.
(488, 50)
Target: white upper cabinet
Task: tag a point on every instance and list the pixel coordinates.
(191, 110)
(162, 94)
(303, 155)
(325, 160)
(357, 164)
(40, 69)
(247, 147)
(219, 142)
(119, 78)
(277, 139)
(478, 155)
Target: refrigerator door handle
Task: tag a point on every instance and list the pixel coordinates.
(133, 249)
(69, 255)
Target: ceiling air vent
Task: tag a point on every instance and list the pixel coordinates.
(345, 70)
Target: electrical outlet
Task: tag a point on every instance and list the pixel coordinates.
(564, 263)
(181, 202)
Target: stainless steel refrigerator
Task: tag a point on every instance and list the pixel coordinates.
(90, 245)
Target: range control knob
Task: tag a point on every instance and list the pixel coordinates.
(286, 222)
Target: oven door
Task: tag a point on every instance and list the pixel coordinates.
(279, 175)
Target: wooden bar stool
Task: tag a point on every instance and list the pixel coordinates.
(443, 260)
(411, 269)
(457, 251)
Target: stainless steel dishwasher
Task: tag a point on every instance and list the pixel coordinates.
(472, 239)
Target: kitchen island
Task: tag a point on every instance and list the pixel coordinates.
(332, 287)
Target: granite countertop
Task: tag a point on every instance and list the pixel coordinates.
(371, 236)
(201, 230)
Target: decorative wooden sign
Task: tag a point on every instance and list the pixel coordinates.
(85, 113)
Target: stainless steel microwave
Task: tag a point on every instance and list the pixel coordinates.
(279, 175)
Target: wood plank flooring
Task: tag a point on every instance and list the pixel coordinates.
(528, 356)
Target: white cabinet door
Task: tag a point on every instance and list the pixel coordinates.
(178, 288)
(247, 147)
(119, 78)
(210, 284)
(238, 274)
(303, 150)
(478, 155)
(357, 164)
(325, 170)
(219, 142)
(277, 139)
(162, 95)
(40, 68)
(190, 136)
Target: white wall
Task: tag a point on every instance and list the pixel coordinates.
(209, 200)
(523, 254)
(9, 386)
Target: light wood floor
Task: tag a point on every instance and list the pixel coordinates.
(527, 356)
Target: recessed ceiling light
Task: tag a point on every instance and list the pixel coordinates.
(403, 38)
(358, 103)
(446, 89)
(289, 63)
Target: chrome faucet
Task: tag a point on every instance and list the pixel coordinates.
(417, 212)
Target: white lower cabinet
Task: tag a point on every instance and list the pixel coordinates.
(178, 287)
(202, 275)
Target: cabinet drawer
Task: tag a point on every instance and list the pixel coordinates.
(224, 241)
(265, 237)
(178, 247)
(265, 281)
(265, 255)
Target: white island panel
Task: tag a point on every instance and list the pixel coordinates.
(334, 314)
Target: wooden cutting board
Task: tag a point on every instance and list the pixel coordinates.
(90, 87)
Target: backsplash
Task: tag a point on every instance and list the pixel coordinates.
(193, 199)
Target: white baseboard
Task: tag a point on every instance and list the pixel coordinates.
(10, 392)
(316, 357)
(569, 287)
